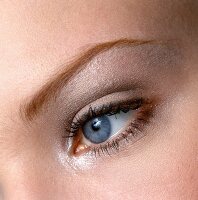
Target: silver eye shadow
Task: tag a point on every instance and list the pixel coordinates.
(114, 75)
(154, 67)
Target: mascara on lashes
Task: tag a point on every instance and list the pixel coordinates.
(144, 110)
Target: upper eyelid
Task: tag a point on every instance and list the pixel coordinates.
(128, 98)
(148, 107)
(80, 120)
(50, 90)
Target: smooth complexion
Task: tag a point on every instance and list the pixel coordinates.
(41, 39)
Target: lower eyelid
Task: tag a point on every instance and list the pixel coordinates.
(131, 134)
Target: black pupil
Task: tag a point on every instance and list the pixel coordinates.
(96, 125)
(97, 130)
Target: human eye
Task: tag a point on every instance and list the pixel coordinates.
(110, 127)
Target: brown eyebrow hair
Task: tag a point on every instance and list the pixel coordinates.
(51, 89)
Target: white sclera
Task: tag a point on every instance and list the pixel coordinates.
(120, 121)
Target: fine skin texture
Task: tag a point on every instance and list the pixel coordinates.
(40, 39)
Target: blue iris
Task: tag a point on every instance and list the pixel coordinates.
(98, 129)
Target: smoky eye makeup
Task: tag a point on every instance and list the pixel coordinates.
(149, 67)
(104, 130)
(109, 125)
(120, 95)
(108, 106)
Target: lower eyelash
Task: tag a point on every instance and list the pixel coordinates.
(132, 134)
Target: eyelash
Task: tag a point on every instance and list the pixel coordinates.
(144, 108)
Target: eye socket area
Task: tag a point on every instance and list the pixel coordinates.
(102, 125)
(127, 114)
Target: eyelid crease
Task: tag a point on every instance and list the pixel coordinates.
(50, 91)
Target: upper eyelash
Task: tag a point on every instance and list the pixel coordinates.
(135, 128)
(109, 110)
(145, 111)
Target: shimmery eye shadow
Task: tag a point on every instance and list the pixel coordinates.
(154, 67)
(108, 68)
(121, 73)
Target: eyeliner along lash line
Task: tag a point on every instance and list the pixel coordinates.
(144, 111)
(132, 133)
(111, 109)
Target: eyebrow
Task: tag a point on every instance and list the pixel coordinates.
(52, 88)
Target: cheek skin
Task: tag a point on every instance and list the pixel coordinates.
(160, 167)
(163, 166)
(166, 166)
(34, 43)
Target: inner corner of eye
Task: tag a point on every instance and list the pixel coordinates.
(79, 147)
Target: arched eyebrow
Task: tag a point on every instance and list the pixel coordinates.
(52, 88)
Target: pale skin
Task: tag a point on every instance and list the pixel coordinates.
(36, 38)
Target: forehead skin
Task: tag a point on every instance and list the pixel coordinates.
(36, 37)
(41, 35)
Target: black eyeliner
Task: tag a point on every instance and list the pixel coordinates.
(109, 109)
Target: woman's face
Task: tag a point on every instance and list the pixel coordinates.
(99, 99)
